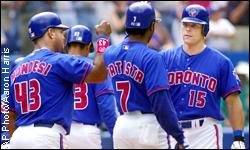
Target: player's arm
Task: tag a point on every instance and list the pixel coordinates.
(166, 115)
(12, 122)
(106, 107)
(230, 91)
(12, 115)
(236, 118)
(99, 71)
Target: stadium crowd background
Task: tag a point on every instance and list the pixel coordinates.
(229, 29)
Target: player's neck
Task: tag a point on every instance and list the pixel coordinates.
(43, 44)
(78, 52)
(138, 38)
(193, 49)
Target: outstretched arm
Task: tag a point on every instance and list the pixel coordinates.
(99, 72)
(106, 106)
(236, 118)
(166, 115)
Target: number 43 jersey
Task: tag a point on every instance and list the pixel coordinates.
(41, 87)
(198, 82)
(136, 72)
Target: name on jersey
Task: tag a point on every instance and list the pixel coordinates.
(126, 68)
(31, 67)
(193, 78)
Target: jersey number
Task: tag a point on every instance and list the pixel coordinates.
(81, 94)
(199, 96)
(124, 87)
(28, 95)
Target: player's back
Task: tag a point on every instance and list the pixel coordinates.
(130, 67)
(42, 83)
(86, 108)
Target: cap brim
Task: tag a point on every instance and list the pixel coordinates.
(62, 26)
(193, 21)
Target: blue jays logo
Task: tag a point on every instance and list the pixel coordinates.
(236, 75)
(193, 12)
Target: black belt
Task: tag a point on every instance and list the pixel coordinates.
(93, 124)
(147, 112)
(188, 124)
(49, 125)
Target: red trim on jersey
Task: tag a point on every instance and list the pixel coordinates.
(84, 74)
(217, 136)
(158, 89)
(4, 110)
(104, 91)
(230, 92)
(12, 109)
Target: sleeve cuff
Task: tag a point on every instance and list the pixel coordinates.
(85, 73)
(230, 92)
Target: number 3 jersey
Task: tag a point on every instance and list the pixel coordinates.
(95, 103)
(136, 72)
(41, 87)
(198, 82)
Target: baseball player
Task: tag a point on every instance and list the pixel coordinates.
(199, 76)
(41, 85)
(93, 102)
(141, 88)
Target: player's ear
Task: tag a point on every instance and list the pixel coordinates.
(152, 27)
(51, 33)
(89, 46)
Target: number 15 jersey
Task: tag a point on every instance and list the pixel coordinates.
(198, 82)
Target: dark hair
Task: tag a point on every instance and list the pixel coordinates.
(35, 40)
(136, 31)
(203, 30)
(81, 45)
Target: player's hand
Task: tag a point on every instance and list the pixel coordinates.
(185, 145)
(104, 28)
(238, 143)
(181, 146)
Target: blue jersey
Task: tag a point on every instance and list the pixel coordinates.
(41, 88)
(136, 73)
(198, 82)
(95, 103)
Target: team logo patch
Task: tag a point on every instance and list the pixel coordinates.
(236, 75)
(193, 12)
(125, 47)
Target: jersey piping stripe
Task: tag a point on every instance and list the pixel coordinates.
(11, 109)
(217, 136)
(158, 89)
(231, 91)
(84, 74)
(104, 91)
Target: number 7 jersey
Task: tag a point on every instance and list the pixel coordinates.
(198, 82)
(136, 73)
